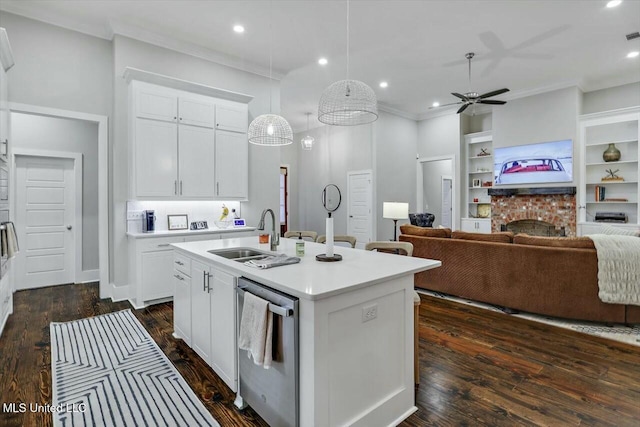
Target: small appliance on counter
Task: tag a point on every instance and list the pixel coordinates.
(148, 221)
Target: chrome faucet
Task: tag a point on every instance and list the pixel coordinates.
(275, 237)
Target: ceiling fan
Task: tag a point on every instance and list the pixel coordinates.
(472, 98)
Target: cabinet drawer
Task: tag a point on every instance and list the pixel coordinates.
(158, 243)
(182, 264)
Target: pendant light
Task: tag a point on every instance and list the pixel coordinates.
(270, 129)
(348, 102)
(307, 141)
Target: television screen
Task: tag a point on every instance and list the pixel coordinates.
(542, 163)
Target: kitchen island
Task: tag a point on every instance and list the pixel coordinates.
(355, 325)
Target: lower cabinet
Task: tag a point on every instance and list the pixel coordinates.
(212, 308)
(182, 306)
(476, 225)
(6, 294)
(156, 269)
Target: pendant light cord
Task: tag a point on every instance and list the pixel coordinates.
(348, 41)
(270, 56)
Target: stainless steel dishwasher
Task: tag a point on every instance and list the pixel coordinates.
(273, 392)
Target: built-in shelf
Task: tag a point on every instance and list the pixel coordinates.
(480, 157)
(479, 173)
(612, 163)
(611, 182)
(598, 144)
(611, 203)
(537, 191)
(474, 142)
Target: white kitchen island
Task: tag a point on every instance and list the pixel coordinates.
(353, 371)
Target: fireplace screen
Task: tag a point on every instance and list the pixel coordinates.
(533, 227)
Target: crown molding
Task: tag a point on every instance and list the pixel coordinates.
(395, 111)
(192, 49)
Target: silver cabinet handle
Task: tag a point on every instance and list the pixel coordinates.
(217, 188)
(208, 283)
(175, 187)
(178, 277)
(204, 280)
(179, 262)
(162, 245)
(180, 187)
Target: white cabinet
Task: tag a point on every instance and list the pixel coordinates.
(232, 165)
(6, 293)
(232, 117)
(196, 159)
(156, 165)
(175, 147)
(622, 193)
(478, 179)
(154, 259)
(4, 115)
(476, 225)
(211, 316)
(201, 310)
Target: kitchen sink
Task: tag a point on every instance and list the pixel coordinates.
(240, 254)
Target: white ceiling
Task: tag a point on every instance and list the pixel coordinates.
(417, 46)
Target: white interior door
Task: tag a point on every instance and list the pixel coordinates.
(360, 201)
(447, 207)
(45, 215)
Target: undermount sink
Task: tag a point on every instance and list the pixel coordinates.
(240, 254)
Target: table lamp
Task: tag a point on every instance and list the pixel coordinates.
(395, 211)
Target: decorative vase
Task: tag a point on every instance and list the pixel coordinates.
(611, 154)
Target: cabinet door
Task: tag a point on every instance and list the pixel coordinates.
(156, 166)
(200, 311)
(196, 158)
(182, 306)
(196, 111)
(468, 224)
(233, 117)
(223, 334)
(4, 115)
(156, 103)
(232, 165)
(157, 271)
(484, 226)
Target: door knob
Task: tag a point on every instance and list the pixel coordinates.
(69, 227)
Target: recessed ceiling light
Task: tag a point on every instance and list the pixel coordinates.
(238, 29)
(323, 61)
(435, 104)
(384, 84)
(614, 3)
(633, 54)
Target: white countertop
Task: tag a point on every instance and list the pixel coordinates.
(169, 233)
(311, 279)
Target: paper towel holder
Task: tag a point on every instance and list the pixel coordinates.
(331, 199)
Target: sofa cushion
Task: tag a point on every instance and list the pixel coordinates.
(425, 232)
(500, 237)
(556, 242)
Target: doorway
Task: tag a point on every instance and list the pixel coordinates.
(284, 199)
(359, 206)
(48, 207)
(436, 189)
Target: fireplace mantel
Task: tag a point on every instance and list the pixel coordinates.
(532, 191)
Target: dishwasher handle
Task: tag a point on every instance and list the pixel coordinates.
(276, 309)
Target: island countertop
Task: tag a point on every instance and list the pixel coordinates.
(311, 279)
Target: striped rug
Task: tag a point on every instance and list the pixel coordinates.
(108, 371)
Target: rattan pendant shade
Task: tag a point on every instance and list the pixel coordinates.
(270, 129)
(348, 103)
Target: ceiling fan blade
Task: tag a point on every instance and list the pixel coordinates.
(446, 105)
(491, 102)
(494, 93)
(464, 98)
(464, 107)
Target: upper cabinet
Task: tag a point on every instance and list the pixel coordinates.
(187, 145)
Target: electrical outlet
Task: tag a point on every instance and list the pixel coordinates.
(134, 215)
(369, 312)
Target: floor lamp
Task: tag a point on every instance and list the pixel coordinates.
(395, 211)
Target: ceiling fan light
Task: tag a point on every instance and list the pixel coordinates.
(270, 130)
(348, 103)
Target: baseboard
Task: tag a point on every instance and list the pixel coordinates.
(87, 276)
(404, 416)
(119, 293)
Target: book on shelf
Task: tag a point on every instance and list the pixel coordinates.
(600, 192)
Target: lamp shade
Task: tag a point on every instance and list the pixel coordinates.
(395, 210)
(270, 129)
(348, 103)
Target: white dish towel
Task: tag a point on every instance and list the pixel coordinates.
(256, 330)
(9, 241)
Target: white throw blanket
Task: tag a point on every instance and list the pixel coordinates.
(618, 268)
(256, 330)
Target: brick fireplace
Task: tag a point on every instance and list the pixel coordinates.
(554, 205)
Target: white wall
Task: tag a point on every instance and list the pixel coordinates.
(611, 98)
(58, 68)
(264, 162)
(432, 173)
(56, 134)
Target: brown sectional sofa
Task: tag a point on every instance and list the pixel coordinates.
(533, 274)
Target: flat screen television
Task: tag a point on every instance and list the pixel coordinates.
(542, 163)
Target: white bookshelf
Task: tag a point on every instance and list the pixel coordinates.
(479, 170)
(597, 131)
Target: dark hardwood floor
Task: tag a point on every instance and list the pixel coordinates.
(478, 367)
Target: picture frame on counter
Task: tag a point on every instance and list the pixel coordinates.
(178, 222)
